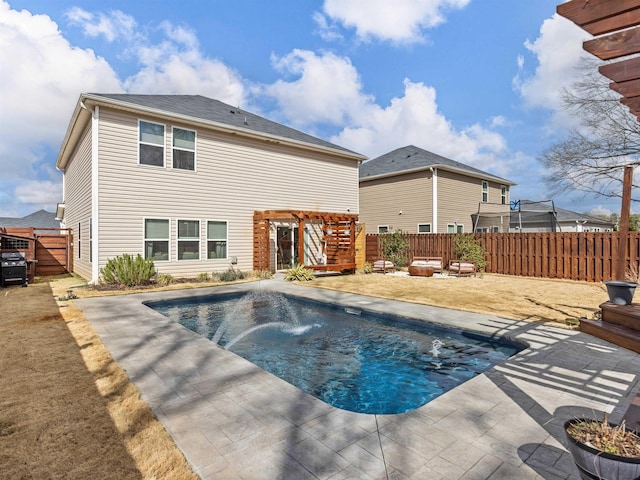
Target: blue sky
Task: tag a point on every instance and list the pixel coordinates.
(478, 81)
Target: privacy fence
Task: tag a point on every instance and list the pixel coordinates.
(587, 256)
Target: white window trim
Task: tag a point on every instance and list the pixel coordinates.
(195, 144)
(504, 195)
(424, 233)
(216, 239)
(144, 238)
(485, 191)
(455, 227)
(383, 226)
(164, 145)
(189, 239)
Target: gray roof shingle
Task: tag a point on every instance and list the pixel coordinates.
(204, 108)
(413, 158)
(39, 219)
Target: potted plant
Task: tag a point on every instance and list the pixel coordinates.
(602, 450)
(621, 291)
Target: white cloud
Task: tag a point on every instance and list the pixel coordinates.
(600, 210)
(400, 21)
(39, 193)
(557, 50)
(112, 26)
(327, 88)
(36, 100)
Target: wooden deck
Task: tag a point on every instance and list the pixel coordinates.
(620, 325)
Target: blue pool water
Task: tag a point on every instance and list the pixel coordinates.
(349, 358)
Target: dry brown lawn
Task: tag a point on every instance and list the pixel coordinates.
(67, 410)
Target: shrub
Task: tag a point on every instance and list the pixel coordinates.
(203, 277)
(263, 274)
(368, 267)
(128, 270)
(467, 247)
(165, 279)
(299, 273)
(395, 247)
(231, 275)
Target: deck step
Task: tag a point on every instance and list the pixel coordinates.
(617, 334)
(624, 315)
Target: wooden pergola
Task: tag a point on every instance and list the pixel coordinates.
(338, 238)
(616, 26)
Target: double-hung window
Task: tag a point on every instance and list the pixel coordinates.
(485, 191)
(216, 239)
(156, 239)
(151, 144)
(503, 194)
(455, 228)
(188, 239)
(184, 149)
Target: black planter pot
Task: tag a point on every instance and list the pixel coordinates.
(620, 293)
(597, 465)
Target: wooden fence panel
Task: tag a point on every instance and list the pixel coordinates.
(585, 256)
(52, 253)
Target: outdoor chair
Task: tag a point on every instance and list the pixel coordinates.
(433, 262)
(383, 266)
(462, 268)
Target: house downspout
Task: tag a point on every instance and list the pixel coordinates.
(95, 257)
(434, 198)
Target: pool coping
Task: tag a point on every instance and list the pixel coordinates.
(232, 419)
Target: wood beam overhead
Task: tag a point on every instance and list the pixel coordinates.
(601, 16)
(622, 71)
(616, 45)
(627, 89)
(620, 21)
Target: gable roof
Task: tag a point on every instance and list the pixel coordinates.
(198, 110)
(39, 219)
(412, 159)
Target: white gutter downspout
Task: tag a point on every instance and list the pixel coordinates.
(434, 198)
(95, 257)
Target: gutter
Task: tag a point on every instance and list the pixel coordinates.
(440, 166)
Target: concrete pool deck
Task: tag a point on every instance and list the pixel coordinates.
(233, 420)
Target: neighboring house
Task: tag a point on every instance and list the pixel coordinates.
(417, 191)
(39, 219)
(198, 186)
(530, 216)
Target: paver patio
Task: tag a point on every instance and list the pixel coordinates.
(234, 420)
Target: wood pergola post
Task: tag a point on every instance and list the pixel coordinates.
(623, 233)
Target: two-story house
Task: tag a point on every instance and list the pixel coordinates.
(417, 191)
(198, 185)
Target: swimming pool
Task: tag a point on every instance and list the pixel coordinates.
(348, 357)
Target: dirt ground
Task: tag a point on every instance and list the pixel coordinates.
(67, 410)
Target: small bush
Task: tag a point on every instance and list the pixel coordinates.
(467, 247)
(165, 279)
(395, 247)
(128, 270)
(231, 275)
(299, 273)
(368, 267)
(263, 274)
(203, 277)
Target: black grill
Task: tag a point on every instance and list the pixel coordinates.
(13, 268)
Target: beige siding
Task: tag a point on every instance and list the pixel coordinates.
(381, 202)
(77, 184)
(234, 176)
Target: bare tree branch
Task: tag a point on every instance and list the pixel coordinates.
(592, 158)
